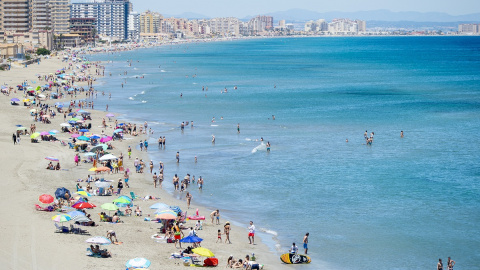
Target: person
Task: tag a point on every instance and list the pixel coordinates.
(189, 199)
(76, 159)
(14, 137)
(129, 151)
(251, 233)
(439, 264)
(119, 186)
(115, 218)
(138, 211)
(128, 211)
(219, 236)
(145, 144)
(151, 165)
(198, 226)
(200, 183)
(178, 234)
(238, 128)
(238, 264)
(178, 157)
(268, 147)
(230, 262)
(141, 145)
(125, 175)
(111, 234)
(213, 139)
(226, 230)
(305, 242)
(155, 179)
(57, 167)
(215, 215)
(293, 249)
(450, 263)
(401, 134)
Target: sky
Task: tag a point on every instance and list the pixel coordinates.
(243, 8)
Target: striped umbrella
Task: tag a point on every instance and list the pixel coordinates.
(61, 218)
(138, 263)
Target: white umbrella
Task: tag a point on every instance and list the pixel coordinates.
(81, 218)
(99, 240)
(108, 157)
(102, 184)
(64, 125)
(138, 263)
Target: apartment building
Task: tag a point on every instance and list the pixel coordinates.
(150, 22)
(15, 15)
(51, 14)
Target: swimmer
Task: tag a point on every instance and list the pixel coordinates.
(213, 139)
(401, 134)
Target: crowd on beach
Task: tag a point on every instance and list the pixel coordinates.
(62, 95)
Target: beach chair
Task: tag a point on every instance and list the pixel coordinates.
(101, 191)
(70, 145)
(132, 194)
(61, 229)
(77, 230)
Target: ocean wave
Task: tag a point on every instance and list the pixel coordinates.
(262, 146)
(131, 98)
(162, 70)
(144, 101)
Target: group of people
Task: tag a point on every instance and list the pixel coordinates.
(249, 263)
(450, 264)
(50, 166)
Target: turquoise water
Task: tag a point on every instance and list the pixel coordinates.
(400, 203)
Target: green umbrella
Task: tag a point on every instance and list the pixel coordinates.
(109, 206)
(74, 119)
(34, 135)
(122, 200)
(21, 128)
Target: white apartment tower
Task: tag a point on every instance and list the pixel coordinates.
(111, 16)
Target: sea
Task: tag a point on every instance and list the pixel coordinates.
(399, 203)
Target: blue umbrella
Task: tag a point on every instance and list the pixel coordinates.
(95, 137)
(138, 263)
(191, 239)
(60, 106)
(75, 213)
(72, 122)
(83, 138)
(121, 124)
(72, 113)
(19, 125)
(15, 99)
(118, 130)
(159, 205)
(60, 193)
(176, 209)
(83, 130)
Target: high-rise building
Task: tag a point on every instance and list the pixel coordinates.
(51, 14)
(469, 28)
(111, 16)
(85, 28)
(224, 26)
(15, 15)
(260, 24)
(134, 26)
(150, 22)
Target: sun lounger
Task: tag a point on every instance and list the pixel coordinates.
(61, 229)
(132, 194)
(77, 230)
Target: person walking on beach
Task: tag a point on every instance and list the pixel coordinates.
(129, 151)
(155, 179)
(119, 186)
(450, 263)
(189, 199)
(146, 145)
(14, 137)
(151, 166)
(125, 176)
(76, 159)
(141, 145)
(226, 230)
(439, 264)
(251, 233)
(305, 242)
(219, 236)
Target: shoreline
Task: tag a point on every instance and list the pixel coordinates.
(31, 180)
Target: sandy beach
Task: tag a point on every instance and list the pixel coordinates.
(29, 238)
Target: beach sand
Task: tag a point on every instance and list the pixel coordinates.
(29, 240)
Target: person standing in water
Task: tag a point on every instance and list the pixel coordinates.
(305, 242)
(450, 263)
(439, 264)
(238, 128)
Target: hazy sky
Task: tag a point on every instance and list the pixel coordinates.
(242, 8)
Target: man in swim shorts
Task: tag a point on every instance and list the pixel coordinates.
(305, 242)
(251, 233)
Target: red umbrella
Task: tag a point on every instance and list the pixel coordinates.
(82, 205)
(46, 199)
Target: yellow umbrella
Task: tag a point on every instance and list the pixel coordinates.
(82, 193)
(26, 100)
(203, 252)
(80, 143)
(92, 169)
(34, 135)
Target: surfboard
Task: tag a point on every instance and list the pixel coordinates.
(295, 258)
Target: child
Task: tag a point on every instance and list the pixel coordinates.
(219, 236)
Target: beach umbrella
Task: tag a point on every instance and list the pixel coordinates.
(109, 206)
(99, 147)
(89, 154)
(84, 138)
(138, 263)
(191, 239)
(26, 100)
(61, 218)
(82, 111)
(41, 96)
(46, 198)
(106, 139)
(83, 130)
(83, 205)
(203, 252)
(15, 99)
(22, 128)
(51, 158)
(118, 130)
(80, 121)
(44, 133)
(60, 106)
(60, 193)
(159, 206)
(34, 135)
(80, 143)
(80, 218)
(75, 135)
(99, 240)
(72, 113)
(53, 131)
(94, 136)
(165, 216)
(102, 184)
(33, 110)
(165, 211)
(73, 119)
(75, 213)
(64, 125)
(121, 200)
(92, 169)
(176, 209)
(83, 193)
(110, 115)
(108, 157)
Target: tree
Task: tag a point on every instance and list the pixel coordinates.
(43, 51)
